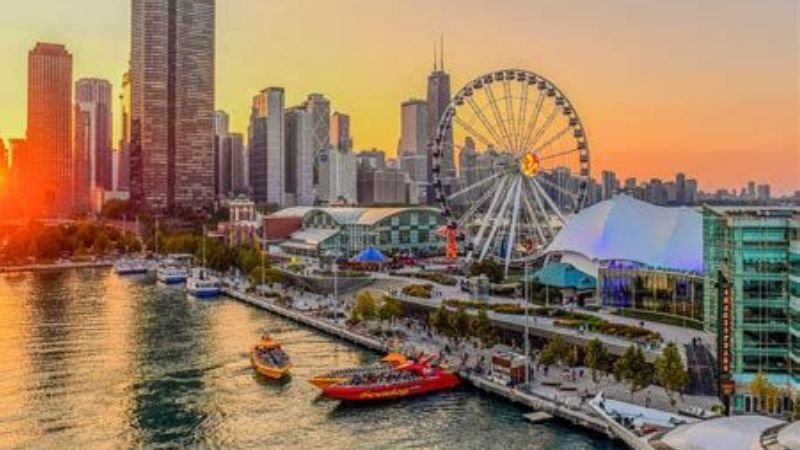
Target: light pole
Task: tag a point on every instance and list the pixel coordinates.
(527, 342)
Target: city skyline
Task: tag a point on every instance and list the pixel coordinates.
(634, 94)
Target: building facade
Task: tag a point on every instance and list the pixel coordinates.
(347, 231)
(340, 137)
(48, 172)
(299, 156)
(268, 147)
(337, 177)
(414, 141)
(438, 99)
(96, 94)
(172, 105)
(752, 298)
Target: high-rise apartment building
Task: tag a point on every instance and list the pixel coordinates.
(610, 184)
(414, 141)
(299, 156)
(94, 95)
(121, 173)
(337, 177)
(751, 260)
(267, 147)
(172, 105)
(438, 99)
(48, 172)
(340, 132)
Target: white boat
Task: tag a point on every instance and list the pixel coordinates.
(171, 273)
(130, 267)
(202, 284)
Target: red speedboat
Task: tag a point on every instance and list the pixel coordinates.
(404, 381)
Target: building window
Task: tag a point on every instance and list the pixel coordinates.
(404, 237)
(404, 219)
(422, 236)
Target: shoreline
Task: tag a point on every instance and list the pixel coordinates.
(55, 267)
(562, 412)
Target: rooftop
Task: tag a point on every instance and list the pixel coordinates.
(725, 433)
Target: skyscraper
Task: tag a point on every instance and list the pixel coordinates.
(93, 94)
(438, 100)
(48, 176)
(268, 147)
(413, 149)
(320, 109)
(299, 156)
(172, 105)
(122, 156)
(610, 184)
(222, 160)
(340, 132)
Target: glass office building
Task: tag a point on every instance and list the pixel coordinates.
(752, 297)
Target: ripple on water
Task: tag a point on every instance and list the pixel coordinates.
(92, 360)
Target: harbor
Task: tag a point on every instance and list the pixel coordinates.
(152, 367)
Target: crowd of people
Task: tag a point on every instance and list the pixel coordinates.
(382, 378)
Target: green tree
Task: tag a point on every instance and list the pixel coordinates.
(796, 411)
(553, 351)
(632, 368)
(766, 392)
(271, 275)
(366, 308)
(440, 321)
(461, 321)
(596, 357)
(670, 372)
(390, 309)
(247, 258)
(488, 267)
(101, 243)
(482, 327)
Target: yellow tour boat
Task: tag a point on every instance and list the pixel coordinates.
(387, 364)
(269, 359)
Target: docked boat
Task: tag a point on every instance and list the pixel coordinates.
(202, 284)
(387, 364)
(404, 381)
(171, 273)
(269, 359)
(130, 267)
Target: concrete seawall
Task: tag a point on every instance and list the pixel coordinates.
(576, 417)
(55, 267)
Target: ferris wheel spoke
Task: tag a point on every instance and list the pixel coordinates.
(495, 199)
(556, 155)
(512, 231)
(554, 138)
(485, 121)
(549, 200)
(523, 107)
(472, 131)
(476, 205)
(497, 115)
(512, 121)
(533, 217)
(545, 126)
(475, 186)
(542, 210)
(498, 219)
(532, 127)
(571, 195)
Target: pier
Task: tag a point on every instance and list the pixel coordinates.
(564, 412)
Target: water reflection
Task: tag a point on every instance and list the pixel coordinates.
(92, 360)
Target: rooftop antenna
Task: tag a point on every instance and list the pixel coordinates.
(441, 52)
(434, 56)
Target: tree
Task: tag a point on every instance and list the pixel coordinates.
(390, 309)
(766, 392)
(365, 308)
(440, 321)
(553, 351)
(796, 411)
(633, 369)
(596, 357)
(670, 371)
(460, 319)
(101, 243)
(487, 267)
(482, 327)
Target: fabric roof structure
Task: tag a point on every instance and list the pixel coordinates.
(562, 276)
(370, 255)
(350, 215)
(313, 236)
(626, 229)
(726, 433)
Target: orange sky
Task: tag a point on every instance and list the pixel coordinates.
(707, 87)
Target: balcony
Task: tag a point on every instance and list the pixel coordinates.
(767, 326)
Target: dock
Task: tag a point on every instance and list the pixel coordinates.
(544, 407)
(537, 416)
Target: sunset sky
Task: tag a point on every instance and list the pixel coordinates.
(707, 87)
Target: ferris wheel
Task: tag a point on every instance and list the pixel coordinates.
(523, 166)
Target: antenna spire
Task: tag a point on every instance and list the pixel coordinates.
(441, 52)
(434, 57)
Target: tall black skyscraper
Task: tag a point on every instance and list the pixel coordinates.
(438, 99)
